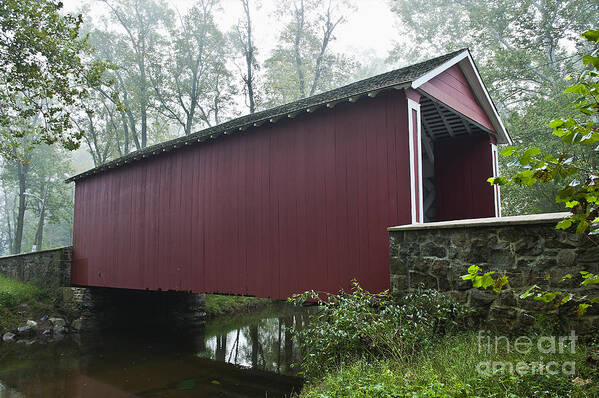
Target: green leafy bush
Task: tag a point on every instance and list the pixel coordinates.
(557, 297)
(360, 324)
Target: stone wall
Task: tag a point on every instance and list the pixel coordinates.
(528, 249)
(48, 269)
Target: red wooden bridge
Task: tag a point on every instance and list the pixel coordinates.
(297, 197)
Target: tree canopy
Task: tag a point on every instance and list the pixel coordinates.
(45, 73)
(523, 49)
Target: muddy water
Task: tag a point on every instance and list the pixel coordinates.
(243, 355)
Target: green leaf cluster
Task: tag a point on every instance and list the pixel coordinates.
(46, 72)
(485, 280)
(558, 298)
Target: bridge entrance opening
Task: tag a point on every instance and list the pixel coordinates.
(455, 163)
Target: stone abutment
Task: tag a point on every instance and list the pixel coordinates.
(528, 249)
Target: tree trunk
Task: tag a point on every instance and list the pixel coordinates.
(22, 170)
(299, 29)
(255, 344)
(327, 33)
(39, 232)
(8, 223)
(249, 57)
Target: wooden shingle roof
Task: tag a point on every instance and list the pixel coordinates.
(396, 79)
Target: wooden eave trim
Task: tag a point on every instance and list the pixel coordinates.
(183, 141)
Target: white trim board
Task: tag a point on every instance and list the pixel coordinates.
(496, 188)
(439, 69)
(415, 169)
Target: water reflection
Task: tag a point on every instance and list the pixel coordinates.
(264, 343)
(248, 355)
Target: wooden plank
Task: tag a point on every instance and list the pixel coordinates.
(451, 88)
(351, 132)
(374, 271)
(316, 159)
(461, 171)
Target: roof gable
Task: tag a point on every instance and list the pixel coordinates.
(452, 88)
(466, 64)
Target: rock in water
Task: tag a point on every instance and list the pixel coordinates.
(24, 330)
(77, 325)
(58, 322)
(8, 336)
(58, 325)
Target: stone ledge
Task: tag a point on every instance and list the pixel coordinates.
(37, 252)
(531, 219)
(48, 269)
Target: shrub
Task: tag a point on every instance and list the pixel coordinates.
(349, 327)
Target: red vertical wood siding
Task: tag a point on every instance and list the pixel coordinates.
(462, 167)
(452, 88)
(297, 205)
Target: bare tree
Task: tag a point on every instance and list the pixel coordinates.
(142, 23)
(327, 22)
(329, 25)
(302, 63)
(244, 42)
(188, 81)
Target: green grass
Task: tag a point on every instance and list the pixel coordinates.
(217, 304)
(14, 293)
(450, 370)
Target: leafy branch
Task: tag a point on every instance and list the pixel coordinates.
(579, 190)
(558, 298)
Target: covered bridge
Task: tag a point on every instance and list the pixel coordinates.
(296, 197)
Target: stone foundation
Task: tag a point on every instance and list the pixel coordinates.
(96, 308)
(528, 249)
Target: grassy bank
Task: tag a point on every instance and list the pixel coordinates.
(18, 302)
(449, 369)
(217, 304)
(424, 344)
